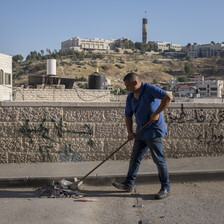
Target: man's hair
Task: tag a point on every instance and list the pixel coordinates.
(131, 77)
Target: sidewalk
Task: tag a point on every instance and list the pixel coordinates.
(181, 169)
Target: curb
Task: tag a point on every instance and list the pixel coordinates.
(142, 178)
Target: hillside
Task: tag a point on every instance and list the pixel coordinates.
(115, 66)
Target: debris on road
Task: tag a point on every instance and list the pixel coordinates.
(87, 200)
(138, 206)
(144, 221)
(59, 190)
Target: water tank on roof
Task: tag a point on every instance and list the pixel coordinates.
(51, 66)
(96, 81)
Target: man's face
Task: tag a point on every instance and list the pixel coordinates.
(130, 86)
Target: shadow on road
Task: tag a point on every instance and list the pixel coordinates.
(117, 193)
(35, 193)
(14, 193)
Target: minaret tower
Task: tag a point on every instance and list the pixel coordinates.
(145, 30)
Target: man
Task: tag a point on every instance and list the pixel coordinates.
(146, 102)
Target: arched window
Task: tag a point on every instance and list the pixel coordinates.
(1, 77)
(7, 79)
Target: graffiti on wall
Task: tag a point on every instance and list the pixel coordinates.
(66, 152)
(212, 122)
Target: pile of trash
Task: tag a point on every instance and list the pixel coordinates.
(60, 189)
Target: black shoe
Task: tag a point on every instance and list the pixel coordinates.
(122, 186)
(163, 193)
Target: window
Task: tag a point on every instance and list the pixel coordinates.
(7, 79)
(1, 77)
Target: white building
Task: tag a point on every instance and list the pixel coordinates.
(185, 91)
(77, 43)
(211, 88)
(5, 77)
(165, 46)
(197, 86)
(197, 78)
(204, 50)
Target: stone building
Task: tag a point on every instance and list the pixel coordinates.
(164, 46)
(77, 43)
(204, 50)
(197, 85)
(185, 91)
(5, 77)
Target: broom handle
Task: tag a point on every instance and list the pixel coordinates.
(113, 153)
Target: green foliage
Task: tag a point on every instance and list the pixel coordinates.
(166, 88)
(119, 91)
(214, 69)
(188, 58)
(142, 47)
(82, 86)
(187, 68)
(81, 79)
(156, 61)
(122, 61)
(126, 44)
(182, 79)
(119, 66)
(17, 58)
(154, 81)
(33, 56)
(93, 64)
(80, 63)
(104, 67)
(65, 63)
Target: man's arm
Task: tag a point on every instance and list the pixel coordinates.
(165, 101)
(129, 125)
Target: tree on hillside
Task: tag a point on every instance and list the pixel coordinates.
(188, 45)
(42, 53)
(17, 58)
(182, 79)
(33, 56)
(187, 68)
(127, 44)
(48, 51)
(214, 69)
(142, 47)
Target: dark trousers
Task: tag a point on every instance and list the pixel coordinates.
(139, 150)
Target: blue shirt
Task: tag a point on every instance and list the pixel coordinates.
(147, 103)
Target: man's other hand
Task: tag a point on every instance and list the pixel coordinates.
(154, 117)
(131, 136)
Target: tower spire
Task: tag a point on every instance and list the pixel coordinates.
(145, 29)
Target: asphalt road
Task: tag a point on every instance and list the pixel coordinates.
(190, 203)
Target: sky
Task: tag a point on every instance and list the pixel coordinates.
(28, 25)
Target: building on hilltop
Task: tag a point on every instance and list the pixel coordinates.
(204, 51)
(165, 46)
(77, 43)
(5, 77)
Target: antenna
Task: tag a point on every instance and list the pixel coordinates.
(145, 14)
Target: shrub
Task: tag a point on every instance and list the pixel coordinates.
(119, 66)
(104, 67)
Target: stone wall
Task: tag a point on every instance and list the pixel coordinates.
(59, 131)
(63, 95)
